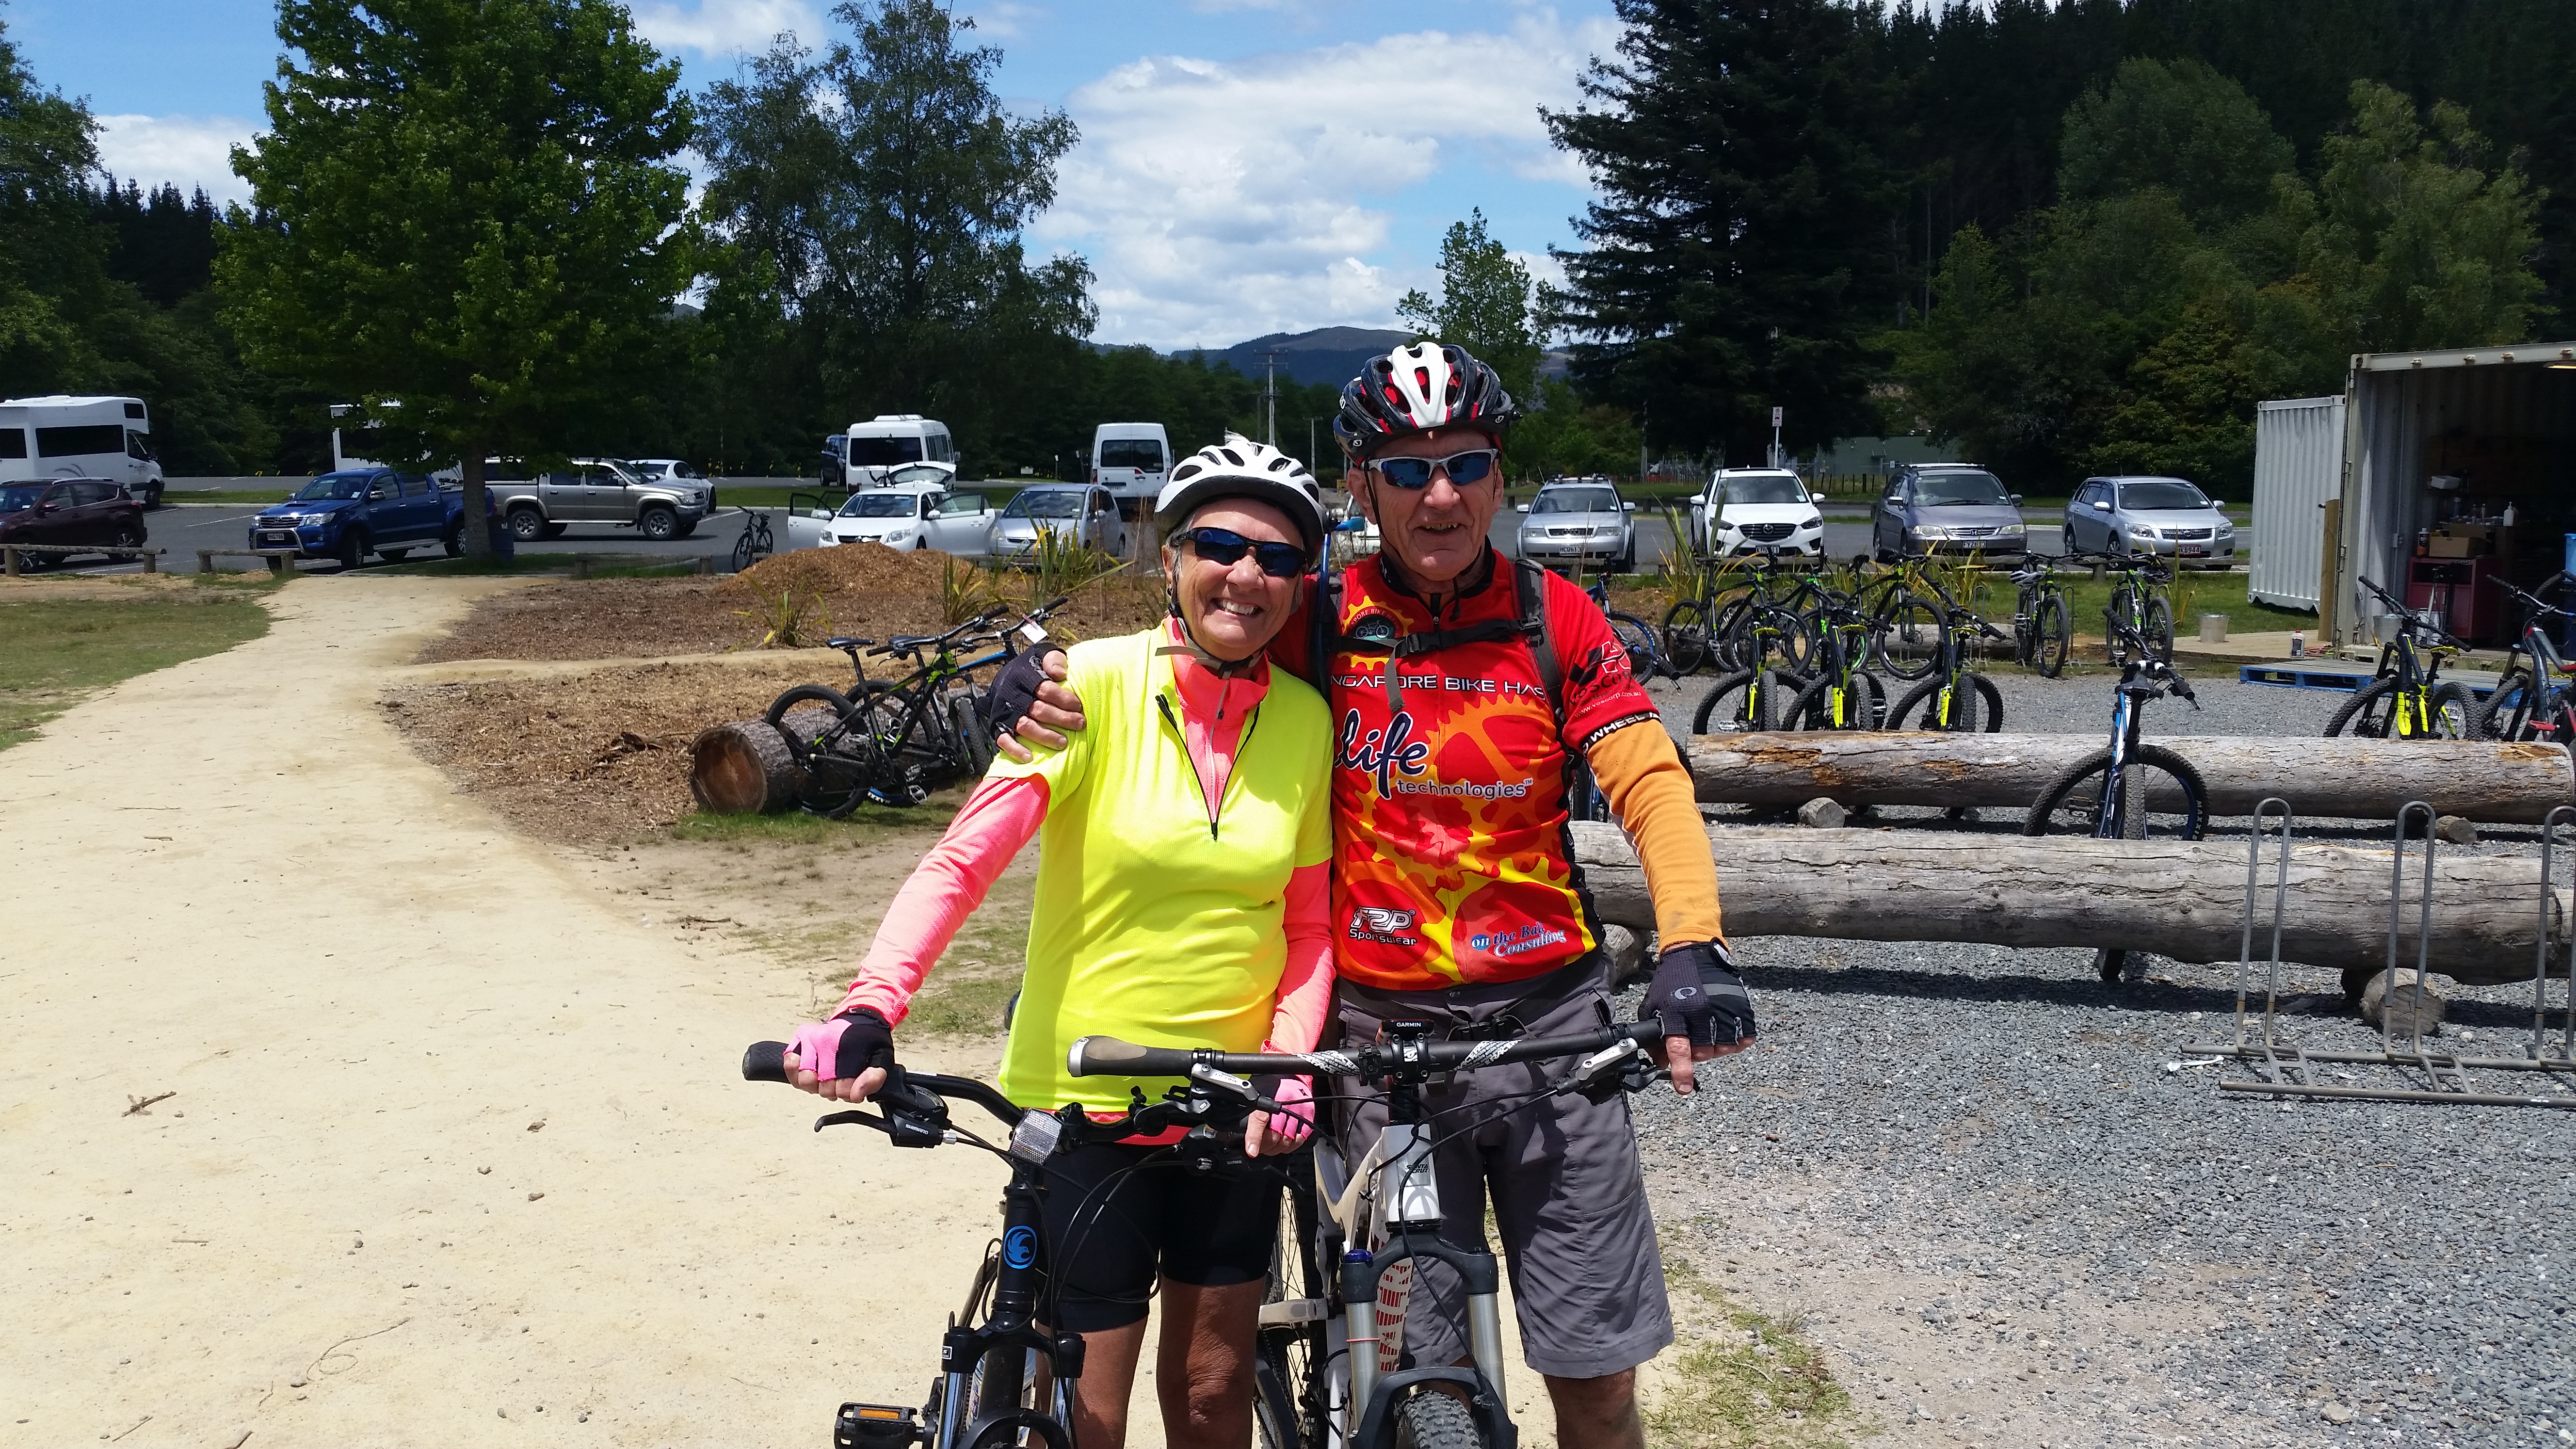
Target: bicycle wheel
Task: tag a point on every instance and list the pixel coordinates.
(828, 739)
(2176, 800)
(1906, 633)
(1724, 627)
(1288, 1404)
(974, 737)
(1748, 699)
(2450, 713)
(2053, 636)
(2159, 627)
(1687, 645)
(1863, 705)
(2122, 609)
(2507, 714)
(742, 552)
(1434, 1420)
(1977, 707)
(1645, 656)
(901, 777)
(2367, 714)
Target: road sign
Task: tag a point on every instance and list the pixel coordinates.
(1775, 416)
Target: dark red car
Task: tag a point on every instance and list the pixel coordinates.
(73, 511)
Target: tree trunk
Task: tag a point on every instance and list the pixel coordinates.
(2180, 900)
(743, 768)
(2321, 778)
(477, 536)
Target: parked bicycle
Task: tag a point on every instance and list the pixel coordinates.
(898, 740)
(1953, 697)
(2128, 790)
(2534, 698)
(1909, 613)
(1645, 654)
(2042, 632)
(2139, 611)
(1844, 695)
(1346, 1279)
(1757, 696)
(755, 543)
(2406, 699)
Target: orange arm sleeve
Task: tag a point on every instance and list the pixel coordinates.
(1650, 791)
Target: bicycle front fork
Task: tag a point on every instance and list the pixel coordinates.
(1376, 1394)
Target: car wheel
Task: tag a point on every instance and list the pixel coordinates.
(658, 524)
(127, 535)
(454, 543)
(353, 548)
(527, 525)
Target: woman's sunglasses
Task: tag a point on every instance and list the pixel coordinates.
(1225, 548)
(1414, 474)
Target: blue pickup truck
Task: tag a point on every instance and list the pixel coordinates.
(351, 514)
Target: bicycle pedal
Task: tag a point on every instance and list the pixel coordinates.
(875, 1426)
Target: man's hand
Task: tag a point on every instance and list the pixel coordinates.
(1703, 1007)
(1031, 704)
(843, 1059)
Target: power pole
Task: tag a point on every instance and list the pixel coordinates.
(1270, 396)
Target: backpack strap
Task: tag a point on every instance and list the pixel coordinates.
(1529, 586)
(1528, 624)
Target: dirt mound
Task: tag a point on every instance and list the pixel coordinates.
(852, 568)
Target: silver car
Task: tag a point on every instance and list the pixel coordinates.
(1579, 521)
(2149, 515)
(1080, 513)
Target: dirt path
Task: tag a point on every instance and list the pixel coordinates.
(453, 1146)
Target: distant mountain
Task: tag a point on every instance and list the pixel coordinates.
(1327, 354)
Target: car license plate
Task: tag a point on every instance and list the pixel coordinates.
(277, 538)
(2192, 550)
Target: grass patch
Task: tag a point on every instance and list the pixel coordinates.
(1750, 1379)
(524, 563)
(55, 653)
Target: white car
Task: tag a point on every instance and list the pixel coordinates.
(1749, 510)
(911, 516)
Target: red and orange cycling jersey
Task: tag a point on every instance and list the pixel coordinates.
(1450, 856)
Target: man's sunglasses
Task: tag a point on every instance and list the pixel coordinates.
(1226, 548)
(1414, 474)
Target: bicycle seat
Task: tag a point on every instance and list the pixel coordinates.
(845, 643)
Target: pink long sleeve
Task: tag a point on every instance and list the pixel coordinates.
(1306, 984)
(997, 819)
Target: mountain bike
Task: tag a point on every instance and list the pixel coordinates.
(755, 543)
(899, 740)
(2042, 635)
(2405, 700)
(1953, 697)
(1844, 695)
(1368, 1221)
(1690, 626)
(2534, 698)
(1909, 616)
(1757, 696)
(1645, 654)
(2129, 790)
(1006, 1381)
(2138, 611)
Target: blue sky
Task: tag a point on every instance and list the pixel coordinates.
(1247, 166)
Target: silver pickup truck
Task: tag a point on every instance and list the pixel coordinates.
(538, 504)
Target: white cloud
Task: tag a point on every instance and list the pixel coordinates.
(726, 27)
(189, 151)
(1218, 201)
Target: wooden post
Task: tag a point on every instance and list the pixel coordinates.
(277, 565)
(205, 560)
(9, 560)
(151, 560)
(2328, 552)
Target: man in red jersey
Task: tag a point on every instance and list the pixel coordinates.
(1464, 689)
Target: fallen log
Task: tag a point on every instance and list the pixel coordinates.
(2515, 784)
(2176, 899)
(744, 767)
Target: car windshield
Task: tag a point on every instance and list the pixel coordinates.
(880, 505)
(884, 452)
(1576, 500)
(1142, 453)
(1045, 503)
(19, 497)
(334, 485)
(1766, 488)
(1939, 488)
(648, 471)
(2162, 493)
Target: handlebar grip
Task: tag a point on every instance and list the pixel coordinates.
(1107, 1056)
(765, 1061)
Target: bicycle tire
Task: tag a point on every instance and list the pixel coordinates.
(830, 781)
(902, 781)
(2450, 713)
(2120, 609)
(2159, 627)
(2055, 636)
(1917, 622)
(742, 552)
(1723, 627)
(1645, 655)
(1983, 712)
(1686, 638)
(1431, 1419)
(2509, 708)
(974, 737)
(1811, 709)
(1289, 1410)
(2367, 713)
(1744, 701)
(2071, 807)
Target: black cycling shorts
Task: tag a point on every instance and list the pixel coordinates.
(1106, 1245)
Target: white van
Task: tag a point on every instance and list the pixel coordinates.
(1131, 460)
(80, 437)
(890, 440)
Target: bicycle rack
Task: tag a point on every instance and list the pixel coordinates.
(2284, 1068)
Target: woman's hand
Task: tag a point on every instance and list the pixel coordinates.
(843, 1059)
(1276, 1135)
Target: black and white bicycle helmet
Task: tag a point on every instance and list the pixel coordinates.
(1241, 468)
(1416, 389)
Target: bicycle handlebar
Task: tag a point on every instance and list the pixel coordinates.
(1098, 1056)
(915, 1105)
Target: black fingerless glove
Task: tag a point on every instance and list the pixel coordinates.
(1016, 687)
(1697, 994)
(866, 1041)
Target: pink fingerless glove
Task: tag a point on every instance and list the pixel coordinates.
(1297, 1095)
(845, 1046)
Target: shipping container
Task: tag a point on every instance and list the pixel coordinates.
(2298, 467)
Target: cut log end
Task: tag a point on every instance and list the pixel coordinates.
(742, 768)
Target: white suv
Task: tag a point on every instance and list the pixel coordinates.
(1748, 510)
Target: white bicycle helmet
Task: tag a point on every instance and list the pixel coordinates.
(1242, 468)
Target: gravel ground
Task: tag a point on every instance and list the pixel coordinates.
(2016, 1214)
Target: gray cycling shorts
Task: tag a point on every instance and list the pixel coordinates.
(1568, 1196)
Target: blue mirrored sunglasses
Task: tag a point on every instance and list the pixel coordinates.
(1225, 548)
(1414, 474)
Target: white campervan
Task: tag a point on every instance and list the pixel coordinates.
(1131, 460)
(890, 440)
(353, 444)
(80, 437)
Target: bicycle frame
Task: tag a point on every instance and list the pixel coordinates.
(2411, 711)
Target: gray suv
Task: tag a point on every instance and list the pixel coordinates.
(542, 504)
(2149, 515)
(1933, 508)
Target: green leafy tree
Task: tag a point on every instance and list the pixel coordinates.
(1562, 435)
(51, 271)
(2180, 128)
(1484, 305)
(466, 208)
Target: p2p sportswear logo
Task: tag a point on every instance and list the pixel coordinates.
(1386, 925)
